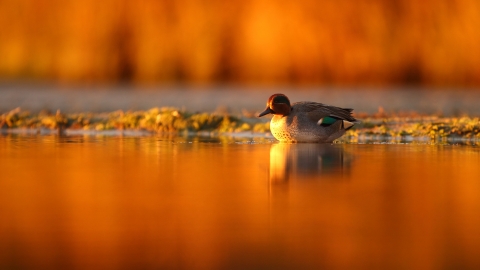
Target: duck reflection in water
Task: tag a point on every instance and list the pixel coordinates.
(306, 161)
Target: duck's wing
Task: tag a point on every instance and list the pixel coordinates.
(325, 114)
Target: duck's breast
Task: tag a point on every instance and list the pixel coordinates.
(282, 128)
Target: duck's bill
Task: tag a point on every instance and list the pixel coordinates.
(267, 111)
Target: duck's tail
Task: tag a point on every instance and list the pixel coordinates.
(347, 124)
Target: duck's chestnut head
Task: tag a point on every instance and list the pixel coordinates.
(277, 104)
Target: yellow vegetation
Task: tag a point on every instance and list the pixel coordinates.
(171, 120)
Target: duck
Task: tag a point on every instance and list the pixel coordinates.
(306, 121)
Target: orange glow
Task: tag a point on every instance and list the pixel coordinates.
(300, 42)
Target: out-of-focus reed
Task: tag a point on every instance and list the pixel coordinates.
(377, 42)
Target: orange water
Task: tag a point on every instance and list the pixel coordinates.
(159, 203)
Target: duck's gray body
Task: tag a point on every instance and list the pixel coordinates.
(305, 123)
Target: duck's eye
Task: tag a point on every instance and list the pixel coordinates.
(281, 99)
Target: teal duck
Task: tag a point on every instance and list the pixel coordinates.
(306, 121)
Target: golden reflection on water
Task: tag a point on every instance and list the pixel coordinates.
(170, 203)
(306, 160)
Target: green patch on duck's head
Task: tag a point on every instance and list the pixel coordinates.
(277, 104)
(278, 99)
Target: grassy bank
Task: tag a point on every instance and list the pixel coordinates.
(173, 120)
(155, 120)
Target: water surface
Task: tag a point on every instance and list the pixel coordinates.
(218, 203)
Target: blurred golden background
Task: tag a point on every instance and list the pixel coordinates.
(307, 42)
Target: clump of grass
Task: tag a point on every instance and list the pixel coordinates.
(155, 120)
(433, 127)
(173, 120)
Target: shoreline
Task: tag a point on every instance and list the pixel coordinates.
(167, 121)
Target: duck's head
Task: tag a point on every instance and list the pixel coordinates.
(277, 104)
